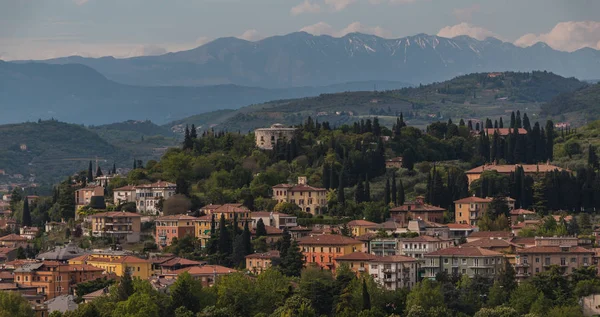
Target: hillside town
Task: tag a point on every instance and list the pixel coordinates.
(365, 205)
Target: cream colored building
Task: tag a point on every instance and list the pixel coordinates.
(123, 195)
(147, 196)
(84, 196)
(124, 226)
(310, 199)
(267, 138)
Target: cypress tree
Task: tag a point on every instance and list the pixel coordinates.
(359, 192)
(518, 123)
(367, 196)
(526, 123)
(326, 176)
(400, 193)
(366, 297)
(512, 120)
(26, 217)
(114, 170)
(99, 171)
(188, 143)
(592, 158)
(193, 132)
(293, 261)
(285, 242)
(549, 139)
(501, 123)
(224, 238)
(125, 288)
(386, 192)
(394, 190)
(90, 174)
(213, 226)
(261, 231)
(376, 127)
(340, 191)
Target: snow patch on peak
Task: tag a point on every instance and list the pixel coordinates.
(368, 48)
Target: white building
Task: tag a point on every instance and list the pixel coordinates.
(394, 271)
(418, 246)
(274, 219)
(147, 196)
(124, 194)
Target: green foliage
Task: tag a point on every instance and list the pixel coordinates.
(12, 304)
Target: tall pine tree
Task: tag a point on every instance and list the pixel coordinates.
(394, 190)
(26, 216)
(386, 192)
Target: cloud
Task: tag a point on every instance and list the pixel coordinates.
(566, 36)
(306, 7)
(251, 35)
(323, 28)
(338, 5)
(464, 28)
(465, 14)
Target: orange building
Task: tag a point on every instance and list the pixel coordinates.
(358, 261)
(53, 278)
(418, 209)
(174, 226)
(206, 274)
(13, 241)
(260, 262)
(321, 250)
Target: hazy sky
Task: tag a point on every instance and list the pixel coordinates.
(37, 29)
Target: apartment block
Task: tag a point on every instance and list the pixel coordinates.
(173, 226)
(123, 226)
(470, 261)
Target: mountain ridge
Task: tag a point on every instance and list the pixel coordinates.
(301, 59)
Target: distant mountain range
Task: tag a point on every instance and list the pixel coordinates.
(301, 59)
(79, 94)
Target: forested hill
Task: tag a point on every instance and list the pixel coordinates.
(585, 101)
(478, 96)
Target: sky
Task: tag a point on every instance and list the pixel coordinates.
(41, 29)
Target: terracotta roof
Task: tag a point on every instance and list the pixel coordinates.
(527, 168)
(284, 186)
(6, 275)
(554, 249)
(180, 261)
(422, 238)
(205, 270)
(13, 237)
(473, 199)
(395, 159)
(116, 214)
(95, 294)
(361, 223)
(460, 226)
(227, 208)
(524, 241)
(265, 255)
(491, 234)
(327, 239)
(367, 236)
(176, 217)
(356, 256)
(159, 184)
(388, 225)
(394, 259)
(567, 218)
(300, 228)
(306, 188)
(270, 230)
(125, 188)
(122, 259)
(210, 207)
(516, 212)
(504, 131)
(206, 217)
(416, 207)
(460, 251)
(490, 243)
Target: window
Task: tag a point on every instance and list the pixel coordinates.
(563, 261)
(573, 260)
(464, 261)
(464, 271)
(537, 270)
(537, 260)
(445, 261)
(547, 261)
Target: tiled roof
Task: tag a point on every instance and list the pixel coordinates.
(13, 237)
(327, 239)
(460, 226)
(422, 238)
(268, 214)
(227, 208)
(180, 261)
(159, 184)
(524, 241)
(567, 218)
(395, 159)
(367, 236)
(416, 207)
(300, 228)
(361, 223)
(504, 131)
(356, 256)
(265, 255)
(527, 168)
(307, 188)
(460, 251)
(205, 270)
(516, 212)
(122, 259)
(128, 188)
(490, 243)
(394, 259)
(95, 294)
(176, 217)
(388, 225)
(491, 234)
(115, 214)
(205, 218)
(270, 230)
(6, 275)
(554, 249)
(473, 199)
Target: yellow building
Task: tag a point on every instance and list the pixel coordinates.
(360, 227)
(229, 212)
(528, 169)
(358, 262)
(309, 199)
(469, 210)
(260, 262)
(202, 228)
(117, 263)
(125, 226)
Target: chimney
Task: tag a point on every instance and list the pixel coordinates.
(302, 180)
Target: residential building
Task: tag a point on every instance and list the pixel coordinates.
(62, 253)
(507, 235)
(123, 226)
(62, 303)
(515, 214)
(230, 211)
(53, 225)
(460, 231)
(470, 261)
(357, 261)
(417, 247)
(529, 169)
(274, 219)
(267, 138)
(469, 210)
(394, 271)
(124, 194)
(417, 209)
(53, 279)
(202, 227)
(163, 264)
(7, 254)
(83, 196)
(360, 227)
(556, 241)
(206, 274)
(260, 262)
(383, 246)
(273, 234)
(29, 232)
(8, 224)
(117, 263)
(320, 250)
(503, 131)
(537, 259)
(395, 162)
(173, 226)
(503, 246)
(14, 241)
(148, 196)
(300, 232)
(389, 227)
(428, 228)
(309, 199)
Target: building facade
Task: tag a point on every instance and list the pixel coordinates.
(173, 226)
(124, 194)
(418, 209)
(530, 261)
(260, 262)
(528, 169)
(321, 250)
(124, 226)
(470, 261)
(274, 219)
(310, 199)
(117, 263)
(469, 210)
(419, 246)
(394, 271)
(267, 138)
(83, 196)
(149, 195)
(357, 261)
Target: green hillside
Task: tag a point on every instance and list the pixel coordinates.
(471, 96)
(580, 105)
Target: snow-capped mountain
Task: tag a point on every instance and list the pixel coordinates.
(302, 59)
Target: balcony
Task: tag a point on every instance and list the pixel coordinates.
(361, 269)
(523, 274)
(389, 270)
(522, 264)
(389, 280)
